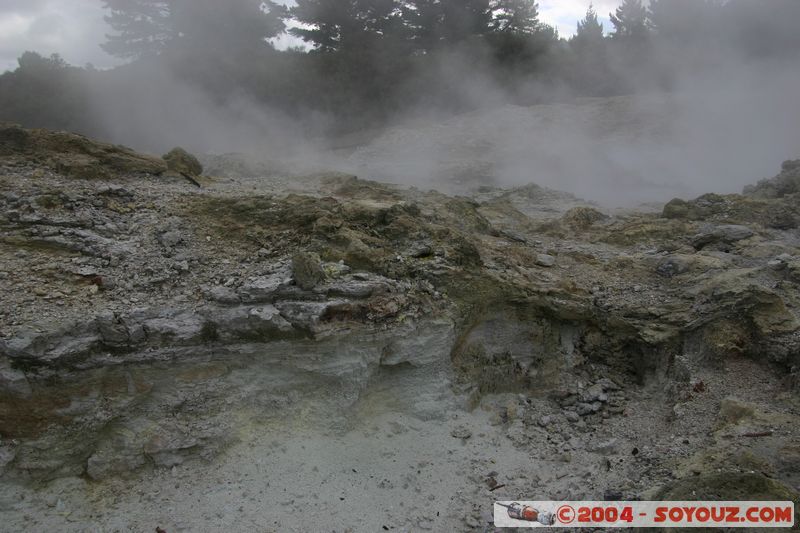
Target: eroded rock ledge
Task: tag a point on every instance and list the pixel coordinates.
(146, 321)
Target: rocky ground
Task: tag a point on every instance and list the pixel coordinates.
(254, 350)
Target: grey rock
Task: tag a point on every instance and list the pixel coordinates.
(112, 330)
(7, 454)
(594, 393)
(420, 251)
(223, 295)
(170, 239)
(672, 266)
(175, 328)
(13, 381)
(420, 344)
(262, 289)
(571, 416)
(776, 264)
(356, 289)
(461, 432)
(606, 447)
(545, 421)
(304, 315)
(545, 260)
(261, 323)
(727, 233)
(168, 450)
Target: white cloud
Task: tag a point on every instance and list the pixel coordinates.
(73, 29)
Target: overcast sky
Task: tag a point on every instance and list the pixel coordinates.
(75, 28)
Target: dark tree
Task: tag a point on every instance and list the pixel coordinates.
(332, 25)
(589, 71)
(463, 19)
(423, 21)
(590, 29)
(630, 21)
(516, 16)
(228, 27)
(146, 28)
(45, 92)
(143, 27)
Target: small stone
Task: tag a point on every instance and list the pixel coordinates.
(461, 432)
(608, 447)
(170, 239)
(545, 260)
(545, 421)
(672, 266)
(594, 393)
(777, 264)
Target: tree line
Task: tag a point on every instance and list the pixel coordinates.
(367, 60)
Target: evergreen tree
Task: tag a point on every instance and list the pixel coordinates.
(226, 28)
(589, 70)
(144, 27)
(423, 21)
(516, 16)
(590, 29)
(463, 19)
(333, 25)
(630, 21)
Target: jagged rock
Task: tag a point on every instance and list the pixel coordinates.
(676, 208)
(584, 409)
(74, 155)
(422, 345)
(732, 410)
(785, 183)
(595, 393)
(264, 289)
(180, 161)
(261, 323)
(13, 381)
(307, 270)
(728, 233)
(223, 295)
(443, 287)
(170, 239)
(672, 266)
(582, 217)
(304, 315)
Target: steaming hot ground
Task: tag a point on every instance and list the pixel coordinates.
(619, 151)
(328, 352)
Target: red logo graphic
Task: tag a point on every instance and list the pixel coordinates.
(566, 514)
